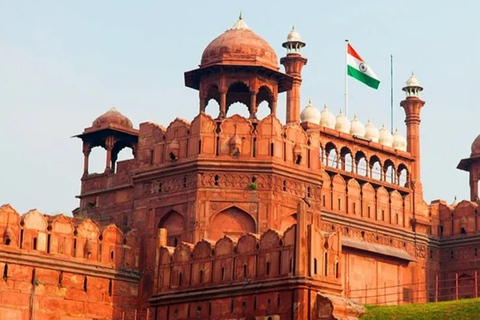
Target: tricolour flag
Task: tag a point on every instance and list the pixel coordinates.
(358, 69)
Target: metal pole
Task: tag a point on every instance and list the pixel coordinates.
(391, 93)
(346, 79)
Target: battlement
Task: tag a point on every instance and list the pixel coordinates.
(454, 220)
(68, 238)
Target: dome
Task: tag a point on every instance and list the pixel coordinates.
(476, 146)
(239, 46)
(342, 123)
(356, 127)
(371, 132)
(112, 116)
(386, 137)
(413, 81)
(399, 141)
(310, 113)
(327, 119)
(293, 35)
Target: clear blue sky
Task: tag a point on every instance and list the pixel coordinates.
(63, 63)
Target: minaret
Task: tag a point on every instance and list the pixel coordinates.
(412, 106)
(293, 64)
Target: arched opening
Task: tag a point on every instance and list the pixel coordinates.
(264, 101)
(112, 255)
(238, 100)
(7, 241)
(389, 171)
(232, 221)
(402, 175)
(331, 155)
(120, 153)
(35, 243)
(96, 160)
(5, 272)
(463, 230)
(361, 163)
(175, 225)
(375, 168)
(212, 102)
(288, 221)
(346, 159)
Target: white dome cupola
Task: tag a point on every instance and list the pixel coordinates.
(310, 113)
(294, 42)
(327, 119)
(342, 123)
(413, 87)
(399, 141)
(386, 137)
(356, 127)
(371, 132)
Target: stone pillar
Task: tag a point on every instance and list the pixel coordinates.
(109, 142)
(223, 104)
(293, 64)
(86, 154)
(473, 185)
(273, 107)
(253, 105)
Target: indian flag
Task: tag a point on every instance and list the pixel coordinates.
(358, 69)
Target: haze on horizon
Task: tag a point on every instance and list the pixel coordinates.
(65, 63)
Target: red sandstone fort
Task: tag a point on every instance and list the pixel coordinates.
(229, 217)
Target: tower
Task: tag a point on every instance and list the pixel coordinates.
(412, 106)
(293, 64)
(111, 131)
(472, 165)
(238, 66)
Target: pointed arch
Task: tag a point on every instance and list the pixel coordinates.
(232, 221)
(288, 221)
(175, 224)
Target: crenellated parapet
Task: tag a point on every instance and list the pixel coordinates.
(65, 238)
(454, 220)
(249, 258)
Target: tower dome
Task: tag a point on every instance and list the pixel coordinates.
(327, 119)
(412, 87)
(239, 45)
(112, 116)
(371, 132)
(294, 42)
(356, 127)
(310, 113)
(399, 141)
(476, 146)
(342, 123)
(386, 137)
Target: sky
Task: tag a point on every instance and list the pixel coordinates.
(64, 63)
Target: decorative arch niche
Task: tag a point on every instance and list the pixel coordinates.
(288, 221)
(231, 222)
(175, 225)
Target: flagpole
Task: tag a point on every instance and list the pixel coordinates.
(391, 93)
(346, 78)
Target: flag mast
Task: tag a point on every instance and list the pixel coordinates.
(346, 78)
(391, 93)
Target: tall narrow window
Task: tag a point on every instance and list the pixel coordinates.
(271, 149)
(315, 266)
(110, 288)
(267, 271)
(368, 212)
(179, 279)
(223, 273)
(339, 204)
(21, 239)
(215, 180)
(244, 271)
(74, 247)
(200, 146)
(231, 306)
(278, 300)
(35, 243)
(151, 156)
(60, 279)
(325, 267)
(85, 284)
(112, 256)
(34, 276)
(200, 276)
(336, 270)
(5, 272)
(254, 147)
(284, 185)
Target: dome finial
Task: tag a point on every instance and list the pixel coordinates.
(240, 16)
(240, 24)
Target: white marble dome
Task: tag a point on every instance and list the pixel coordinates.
(342, 123)
(310, 113)
(399, 141)
(327, 119)
(386, 137)
(293, 35)
(371, 132)
(356, 127)
(413, 81)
